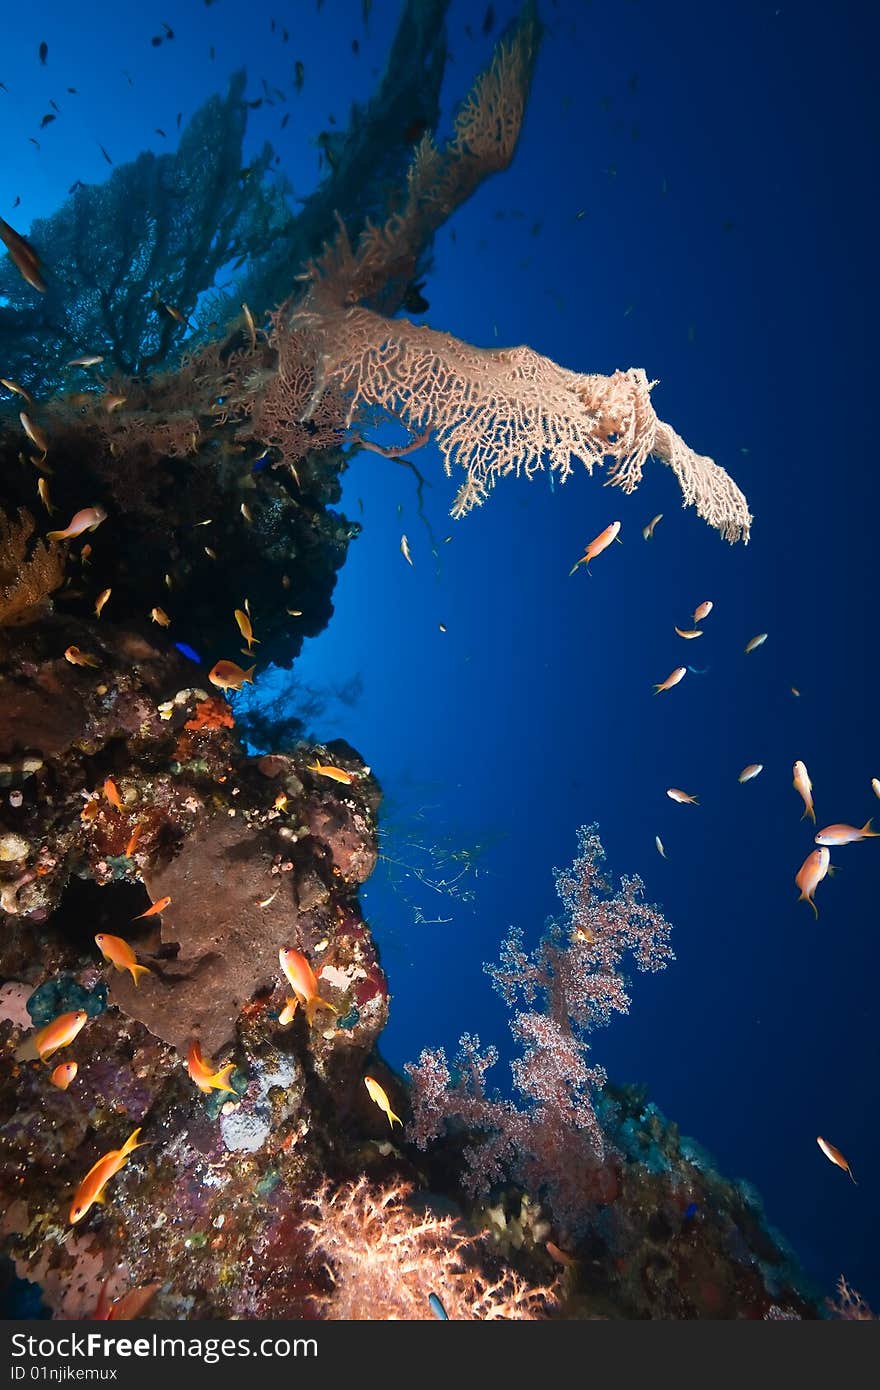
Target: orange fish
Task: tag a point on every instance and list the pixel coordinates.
(703, 610)
(202, 1074)
(811, 874)
(135, 836)
(78, 658)
(304, 984)
(63, 1074)
(251, 326)
(25, 257)
(158, 615)
(336, 774)
(804, 787)
(18, 390)
(158, 906)
(120, 954)
(245, 628)
(34, 432)
(378, 1095)
(91, 1189)
(846, 834)
(751, 771)
(596, 546)
(88, 519)
(672, 679)
(683, 798)
(689, 633)
(111, 791)
(101, 600)
(227, 676)
(53, 1036)
(835, 1156)
(561, 1257)
(90, 810)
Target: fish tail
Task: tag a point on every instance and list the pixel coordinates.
(805, 898)
(249, 675)
(392, 1117)
(574, 567)
(808, 811)
(313, 1005)
(850, 1171)
(220, 1080)
(137, 971)
(131, 1144)
(56, 536)
(27, 1051)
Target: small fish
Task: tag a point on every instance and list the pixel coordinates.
(91, 1189)
(158, 906)
(89, 519)
(754, 642)
(203, 1074)
(597, 545)
(189, 652)
(120, 954)
(689, 633)
(750, 771)
(280, 802)
(648, 531)
(111, 403)
(78, 658)
(294, 612)
(43, 490)
(378, 1095)
(105, 154)
(89, 359)
(24, 257)
(169, 582)
(158, 615)
(811, 874)
(683, 798)
(795, 691)
(44, 53)
(437, 1307)
(245, 628)
(133, 842)
(659, 843)
(63, 1074)
(47, 120)
(875, 785)
(835, 1156)
(227, 676)
(211, 554)
(804, 787)
(561, 1257)
(304, 983)
(266, 902)
(404, 550)
(101, 600)
(34, 432)
(672, 679)
(846, 834)
(247, 513)
(251, 326)
(52, 1036)
(299, 76)
(111, 791)
(703, 610)
(336, 774)
(18, 390)
(441, 627)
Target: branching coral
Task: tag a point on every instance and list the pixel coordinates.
(551, 1141)
(26, 580)
(386, 1259)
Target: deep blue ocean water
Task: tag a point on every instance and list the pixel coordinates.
(693, 194)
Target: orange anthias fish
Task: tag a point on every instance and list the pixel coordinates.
(336, 774)
(378, 1095)
(57, 1034)
(227, 676)
(78, 658)
(23, 254)
(158, 615)
(672, 679)
(683, 798)
(91, 1189)
(689, 633)
(120, 954)
(101, 600)
(835, 1156)
(245, 628)
(304, 984)
(63, 1074)
(34, 432)
(203, 1074)
(754, 642)
(111, 791)
(804, 787)
(135, 836)
(596, 546)
(88, 519)
(751, 771)
(846, 834)
(158, 906)
(703, 610)
(811, 874)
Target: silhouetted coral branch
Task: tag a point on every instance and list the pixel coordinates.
(26, 580)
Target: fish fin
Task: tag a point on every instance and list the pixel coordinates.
(27, 1051)
(220, 1079)
(131, 1144)
(570, 572)
(808, 811)
(56, 535)
(314, 1005)
(866, 829)
(392, 1117)
(249, 675)
(850, 1171)
(137, 971)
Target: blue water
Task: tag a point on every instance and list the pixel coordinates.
(723, 159)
